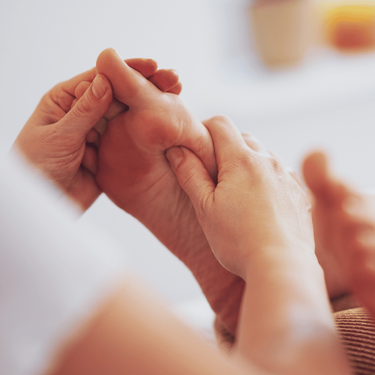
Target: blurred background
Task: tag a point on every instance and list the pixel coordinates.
(297, 74)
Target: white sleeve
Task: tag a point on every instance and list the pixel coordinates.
(51, 278)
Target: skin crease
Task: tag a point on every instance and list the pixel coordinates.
(257, 219)
(223, 289)
(55, 138)
(246, 237)
(282, 217)
(134, 173)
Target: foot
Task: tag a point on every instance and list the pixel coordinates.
(135, 174)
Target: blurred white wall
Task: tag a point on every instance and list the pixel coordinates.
(328, 101)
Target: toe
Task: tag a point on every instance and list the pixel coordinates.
(147, 67)
(165, 79)
(128, 85)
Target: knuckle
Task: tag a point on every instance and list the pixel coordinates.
(60, 97)
(187, 174)
(243, 159)
(81, 88)
(275, 164)
(83, 107)
(222, 119)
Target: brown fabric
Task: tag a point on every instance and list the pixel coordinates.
(344, 302)
(357, 330)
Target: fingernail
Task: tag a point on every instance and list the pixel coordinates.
(99, 87)
(175, 156)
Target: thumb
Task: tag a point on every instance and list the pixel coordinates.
(320, 181)
(89, 109)
(192, 176)
(315, 172)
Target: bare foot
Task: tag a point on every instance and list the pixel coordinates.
(135, 174)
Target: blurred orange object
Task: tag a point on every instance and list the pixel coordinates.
(350, 26)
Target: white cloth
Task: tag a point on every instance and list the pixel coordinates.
(51, 278)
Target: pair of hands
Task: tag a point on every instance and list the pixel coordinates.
(243, 212)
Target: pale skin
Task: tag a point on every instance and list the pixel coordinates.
(134, 173)
(257, 220)
(105, 341)
(115, 329)
(112, 343)
(133, 333)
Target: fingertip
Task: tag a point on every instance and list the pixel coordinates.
(315, 169)
(100, 86)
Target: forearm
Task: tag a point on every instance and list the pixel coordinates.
(286, 323)
(222, 289)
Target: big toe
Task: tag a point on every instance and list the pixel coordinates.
(127, 83)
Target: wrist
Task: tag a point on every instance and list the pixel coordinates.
(291, 257)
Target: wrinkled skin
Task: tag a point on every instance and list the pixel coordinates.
(135, 174)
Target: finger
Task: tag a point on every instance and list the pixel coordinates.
(320, 181)
(192, 176)
(73, 103)
(315, 171)
(147, 67)
(176, 89)
(88, 109)
(114, 109)
(90, 160)
(70, 85)
(228, 141)
(81, 89)
(165, 79)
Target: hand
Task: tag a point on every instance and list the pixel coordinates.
(55, 139)
(255, 205)
(344, 225)
(257, 220)
(134, 173)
